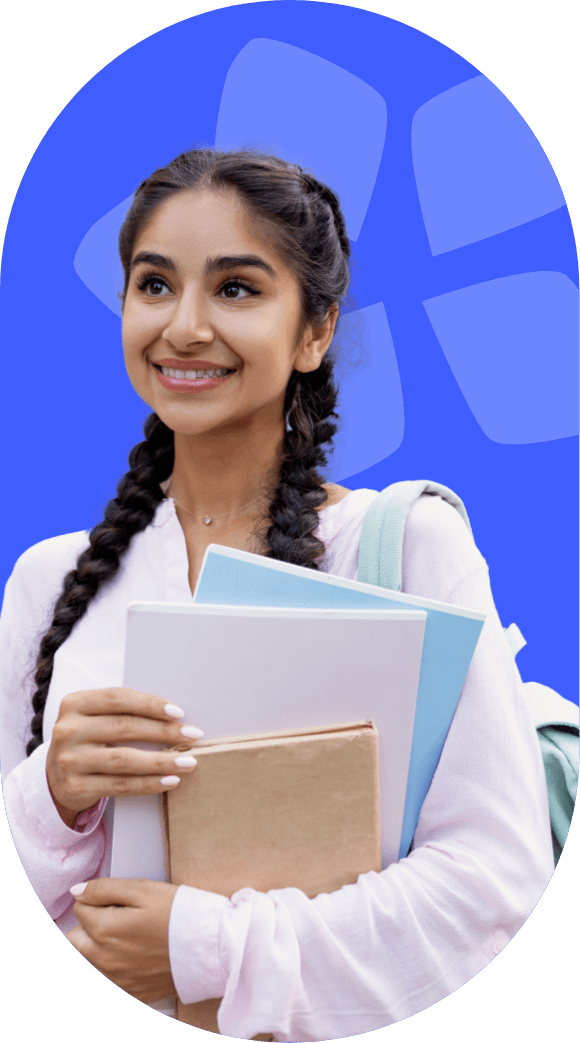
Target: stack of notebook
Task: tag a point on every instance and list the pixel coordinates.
(276, 654)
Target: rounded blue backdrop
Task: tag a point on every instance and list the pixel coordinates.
(457, 348)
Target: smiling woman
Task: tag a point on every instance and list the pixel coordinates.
(235, 268)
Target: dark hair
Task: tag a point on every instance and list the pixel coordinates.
(304, 220)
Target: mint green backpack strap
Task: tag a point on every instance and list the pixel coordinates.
(381, 545)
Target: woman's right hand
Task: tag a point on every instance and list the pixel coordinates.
(87, 758)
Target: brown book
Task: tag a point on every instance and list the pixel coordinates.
(288, 809)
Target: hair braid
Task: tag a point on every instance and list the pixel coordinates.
(311, 398)
(138, 495)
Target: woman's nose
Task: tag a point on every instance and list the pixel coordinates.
(190, 320)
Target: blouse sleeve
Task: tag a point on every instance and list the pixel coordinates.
(54, 856)
(395, 942)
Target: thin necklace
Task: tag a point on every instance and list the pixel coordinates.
(207, 520)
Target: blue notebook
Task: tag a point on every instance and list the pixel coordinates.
(234, 577)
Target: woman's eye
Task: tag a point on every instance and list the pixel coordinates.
(156, 282)
(153, 287)
(235, 291)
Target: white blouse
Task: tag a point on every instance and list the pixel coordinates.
(374, 952)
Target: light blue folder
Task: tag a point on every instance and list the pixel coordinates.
(234, 577)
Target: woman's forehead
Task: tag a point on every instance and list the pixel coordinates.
(199, 223)
(204, 210)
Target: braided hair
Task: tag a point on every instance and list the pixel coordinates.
(304, 219)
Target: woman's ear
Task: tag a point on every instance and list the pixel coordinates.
(316, 341)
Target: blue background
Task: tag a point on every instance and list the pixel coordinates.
(438, 220)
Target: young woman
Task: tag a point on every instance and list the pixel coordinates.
(235, 267)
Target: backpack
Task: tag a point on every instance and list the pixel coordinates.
(555, 718)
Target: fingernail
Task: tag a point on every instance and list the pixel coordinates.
(77, 889)
(185, 762)
(170, 780)
(190, 732)
(173, 711)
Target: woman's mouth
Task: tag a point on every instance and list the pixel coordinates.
(191, 380)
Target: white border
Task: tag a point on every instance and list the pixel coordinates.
(264, 612)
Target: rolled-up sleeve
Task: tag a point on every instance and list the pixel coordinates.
(54, 856)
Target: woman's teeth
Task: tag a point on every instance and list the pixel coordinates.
(193, 374)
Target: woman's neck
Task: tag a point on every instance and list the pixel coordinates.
(220, 473)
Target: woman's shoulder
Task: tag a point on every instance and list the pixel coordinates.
(438, 549)
(39, 571)
(433, 517)
(34, 586)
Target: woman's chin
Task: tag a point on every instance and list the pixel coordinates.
(199, 427)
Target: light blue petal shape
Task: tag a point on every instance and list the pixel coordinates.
(479, 168)
(512, 344)
(281, 99)
(97, 258)
(370, 400)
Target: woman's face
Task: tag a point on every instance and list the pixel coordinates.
(212, 316)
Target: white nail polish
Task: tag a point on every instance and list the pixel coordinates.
(77, 889)
(173, 711)
(169, 780)
(185, 762)
(190, 732)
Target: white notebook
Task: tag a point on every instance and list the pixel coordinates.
(240, 671)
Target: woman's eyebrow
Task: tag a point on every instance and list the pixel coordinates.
(221, 264)
(157, 260)
(213, 264)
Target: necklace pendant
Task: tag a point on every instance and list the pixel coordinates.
(206, 520)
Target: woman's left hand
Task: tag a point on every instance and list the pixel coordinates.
(124, 926)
